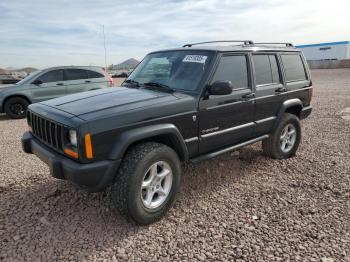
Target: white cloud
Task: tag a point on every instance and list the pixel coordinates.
(44, 33)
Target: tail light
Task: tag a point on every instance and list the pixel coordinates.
(110, 81)
(311, 94)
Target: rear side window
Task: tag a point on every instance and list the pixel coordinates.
(293, 67)
(76, 74)
(233, 68)
(266, 69)
(52, 76)
(94, 74)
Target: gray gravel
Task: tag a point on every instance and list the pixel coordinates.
(240, 206)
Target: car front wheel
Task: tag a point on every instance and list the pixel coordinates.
(16, 107)
(146, 182)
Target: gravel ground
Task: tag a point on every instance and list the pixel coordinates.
(240, 206)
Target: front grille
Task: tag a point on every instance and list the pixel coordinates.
(47, 131)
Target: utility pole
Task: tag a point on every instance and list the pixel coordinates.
(104, 44)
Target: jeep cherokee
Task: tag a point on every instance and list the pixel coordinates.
(187, 104)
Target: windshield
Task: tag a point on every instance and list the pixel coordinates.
(29, 77)
(179, 70)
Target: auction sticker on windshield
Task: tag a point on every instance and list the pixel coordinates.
(195, 59)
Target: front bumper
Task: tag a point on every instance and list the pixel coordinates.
(305, 112)
(94, 176)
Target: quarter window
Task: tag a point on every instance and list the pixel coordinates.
(233, 68)
(52, 76)
(266, 69)
(294, 67)
(76, 74)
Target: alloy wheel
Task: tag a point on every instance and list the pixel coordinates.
(288, 138)
(156, 185)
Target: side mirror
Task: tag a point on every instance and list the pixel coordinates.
(219, 88)
(37, 82)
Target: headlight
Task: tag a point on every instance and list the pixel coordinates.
(73, 137)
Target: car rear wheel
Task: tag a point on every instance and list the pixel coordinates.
(16, 107)
(284, 141)
(147, 182)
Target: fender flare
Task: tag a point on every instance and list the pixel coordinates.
(129, 137)
(287, 104)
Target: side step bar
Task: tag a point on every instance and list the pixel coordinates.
(222, 151)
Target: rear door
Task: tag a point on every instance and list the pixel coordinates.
(77, 80)
(228, 119)
(270, 90)
(97, 80)
(52, 86)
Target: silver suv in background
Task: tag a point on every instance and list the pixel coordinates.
(50, 83)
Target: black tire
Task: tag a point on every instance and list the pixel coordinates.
(272, 146)
(126, 192)
(16, 107)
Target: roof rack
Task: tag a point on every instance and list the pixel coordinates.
(245, 42)
(266, 43)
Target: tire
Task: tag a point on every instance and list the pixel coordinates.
(16, 107)
(132, 185)
(281, 148)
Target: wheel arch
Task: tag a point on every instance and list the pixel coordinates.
(292, 106)
(166, 134)
(13, 96)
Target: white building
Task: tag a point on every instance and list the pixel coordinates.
(326, 51)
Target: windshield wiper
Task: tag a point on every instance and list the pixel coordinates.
(158, 86)
(133, 82)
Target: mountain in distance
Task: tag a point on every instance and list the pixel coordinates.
(28, 70)
(130, 63)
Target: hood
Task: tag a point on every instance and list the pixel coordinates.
(112, 101)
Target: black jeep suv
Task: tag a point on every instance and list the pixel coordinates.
(178, 105)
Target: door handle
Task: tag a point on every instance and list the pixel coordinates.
(87, 81)
(280, 90)
(251, 95)
(59, 84)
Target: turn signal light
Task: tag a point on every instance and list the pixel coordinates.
(88, 146)
(70, 153)
(311, 94)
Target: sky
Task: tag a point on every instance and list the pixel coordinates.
(47, 33)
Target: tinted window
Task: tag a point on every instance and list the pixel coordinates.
(181, 70)
(75, 74)
(294, 68)
(233, 68)
(159, 66)
(93, 74)
(52, 76)
(266, 69)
